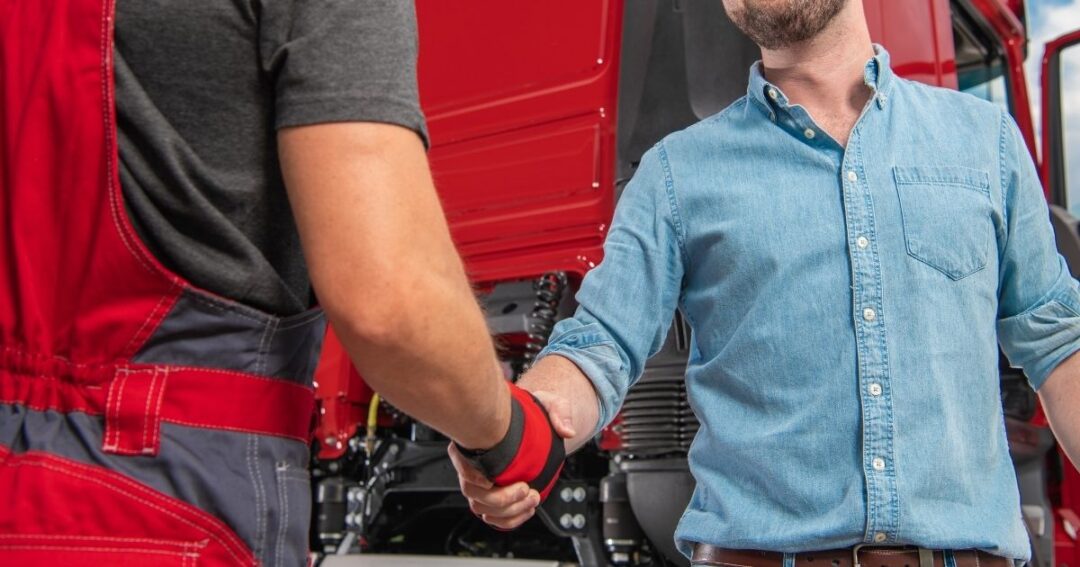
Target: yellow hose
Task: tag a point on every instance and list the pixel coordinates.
(372, 424)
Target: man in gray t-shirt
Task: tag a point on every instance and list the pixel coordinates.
(201, 88)
(255, 134)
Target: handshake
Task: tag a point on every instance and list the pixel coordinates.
(505, 484)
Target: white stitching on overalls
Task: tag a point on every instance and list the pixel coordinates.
(283, 517)
(260, 494)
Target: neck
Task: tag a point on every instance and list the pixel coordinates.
(825, 73)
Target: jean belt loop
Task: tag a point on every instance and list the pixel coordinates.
(926, 557)
(789, 560)
(950, 558)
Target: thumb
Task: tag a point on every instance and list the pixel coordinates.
(559, 411)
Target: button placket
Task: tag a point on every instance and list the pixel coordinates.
(882, 513)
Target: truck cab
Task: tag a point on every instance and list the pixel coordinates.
(538, 115)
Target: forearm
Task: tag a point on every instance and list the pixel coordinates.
(385, 269)
(1060, 396)
(439, 368)
(562, 378)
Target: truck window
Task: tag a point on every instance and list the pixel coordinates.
(980, 63)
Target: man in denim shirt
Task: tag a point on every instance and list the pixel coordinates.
(850, 248)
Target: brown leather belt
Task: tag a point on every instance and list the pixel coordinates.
(859, 556)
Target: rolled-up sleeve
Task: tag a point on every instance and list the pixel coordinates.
(627, 302)
(1039, 302)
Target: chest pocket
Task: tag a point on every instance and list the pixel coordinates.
(946, 214)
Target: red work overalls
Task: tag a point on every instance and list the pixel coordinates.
(142, 421)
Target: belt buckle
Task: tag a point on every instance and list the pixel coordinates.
(926, 556)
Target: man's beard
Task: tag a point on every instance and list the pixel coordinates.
(775, 24)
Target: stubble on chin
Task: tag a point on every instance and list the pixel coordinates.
(776, 24)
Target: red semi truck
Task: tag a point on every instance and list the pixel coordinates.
(539, 113)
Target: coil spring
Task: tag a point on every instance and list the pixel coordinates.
(549, 290)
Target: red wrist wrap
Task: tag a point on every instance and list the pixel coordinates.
(531, 452)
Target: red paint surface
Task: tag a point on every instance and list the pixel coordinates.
(522, 121)
(918, 36)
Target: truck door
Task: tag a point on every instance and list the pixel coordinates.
(1059, 170)
(1060, 164)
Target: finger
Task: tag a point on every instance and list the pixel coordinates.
(465, 470)
(559, 411)
(498, 497)
(512, 511)
(509, 523)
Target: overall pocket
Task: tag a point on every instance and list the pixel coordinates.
(60, 512)
(946, 217)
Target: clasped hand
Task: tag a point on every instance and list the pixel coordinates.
(507, 507)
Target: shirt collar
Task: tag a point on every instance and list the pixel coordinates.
(877, 74)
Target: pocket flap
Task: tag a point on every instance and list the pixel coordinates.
(942, 175)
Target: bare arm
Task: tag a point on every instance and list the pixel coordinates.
(568, 395)
(1060, 396)
(382, 262)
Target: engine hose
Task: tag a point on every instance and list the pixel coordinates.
(372, 424)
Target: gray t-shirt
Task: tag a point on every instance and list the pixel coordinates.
(201, 88)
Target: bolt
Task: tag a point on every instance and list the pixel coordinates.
(579, 494)
(566, 520)
(350, 519)
(567, 494)
(579, 521)
(330, 440)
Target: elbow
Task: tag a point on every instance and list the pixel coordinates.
(373, 321)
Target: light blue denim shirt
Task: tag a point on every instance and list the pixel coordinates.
(846, 307)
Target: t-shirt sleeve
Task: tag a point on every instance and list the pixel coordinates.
(342, 61)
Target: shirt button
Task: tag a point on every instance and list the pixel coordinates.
(875, 389)
(773, 94)
(862, 242)
(809, 133)
(869, 314)
(880, 537)
(852, 177)
(878, 463)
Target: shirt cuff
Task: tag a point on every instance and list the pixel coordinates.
(594, 352)
(1040, 339)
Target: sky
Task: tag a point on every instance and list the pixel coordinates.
(1048, 19)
